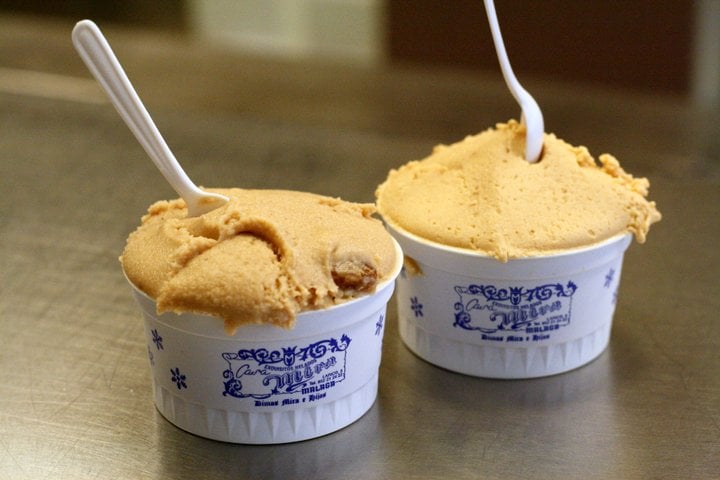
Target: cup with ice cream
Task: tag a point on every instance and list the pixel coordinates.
(264, 318)
(264, 310)
(512, 268)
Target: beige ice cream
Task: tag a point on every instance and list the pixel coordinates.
(481, 194)
(261, 258)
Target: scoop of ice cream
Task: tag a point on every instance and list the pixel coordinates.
(481, 194)
(261, 258)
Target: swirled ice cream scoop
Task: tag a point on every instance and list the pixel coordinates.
(480, 194)
(262, 258)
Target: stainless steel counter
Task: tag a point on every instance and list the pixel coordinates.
(75, 399)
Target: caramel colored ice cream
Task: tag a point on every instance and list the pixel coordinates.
(262, 258)
(481, 194)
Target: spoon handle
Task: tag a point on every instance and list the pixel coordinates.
(105, 67)
(532, 116)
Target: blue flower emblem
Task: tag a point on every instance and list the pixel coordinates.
(416, 306)
(178, 378)
(609, 278)
(379, 325)
(157, 339)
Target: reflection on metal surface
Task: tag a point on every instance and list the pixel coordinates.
(50, 85)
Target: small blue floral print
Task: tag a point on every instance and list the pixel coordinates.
(609, 278)
(178, 378)
(157, 339)
(151, 356)
(379, 325)
(416, 306)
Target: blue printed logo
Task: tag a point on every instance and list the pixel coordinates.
(262, 374)
(498, 312)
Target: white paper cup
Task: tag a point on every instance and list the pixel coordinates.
(530, 317)
(265, 384)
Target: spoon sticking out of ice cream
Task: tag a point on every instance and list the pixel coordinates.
(105, 67)
(531, 114)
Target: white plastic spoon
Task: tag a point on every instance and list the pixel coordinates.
(531, 114)
(105, 67)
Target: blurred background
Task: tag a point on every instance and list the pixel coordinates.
(327, 61)
(654, 45)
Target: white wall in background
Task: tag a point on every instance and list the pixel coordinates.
(348, 30)
(706, 57)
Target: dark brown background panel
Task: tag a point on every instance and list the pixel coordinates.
(644, 45)
(164, 14)
(640, 44)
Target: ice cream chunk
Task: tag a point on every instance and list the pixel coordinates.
(261, 258)
(481, 194)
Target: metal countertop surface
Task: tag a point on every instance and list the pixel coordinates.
(75, 394)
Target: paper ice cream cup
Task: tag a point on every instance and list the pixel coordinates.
(529, 317)
(265, 384)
